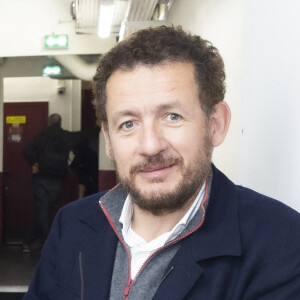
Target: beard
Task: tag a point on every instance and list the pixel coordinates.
(192, 178)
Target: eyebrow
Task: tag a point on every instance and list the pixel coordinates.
(123, 113)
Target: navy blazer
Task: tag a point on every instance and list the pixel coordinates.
(248, 248)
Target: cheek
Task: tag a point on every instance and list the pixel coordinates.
(191, 145)
(184, 141)
(123, 157)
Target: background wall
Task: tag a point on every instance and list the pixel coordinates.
(260, 43)
(31, 89)
(23, 25)
(270, 146)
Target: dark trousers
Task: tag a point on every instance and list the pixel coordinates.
(45, 192)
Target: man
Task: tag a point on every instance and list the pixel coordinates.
(175, 227)
(47, 153)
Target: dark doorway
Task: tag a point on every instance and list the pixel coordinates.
(85, 163)
(88, 113)
(21, 122)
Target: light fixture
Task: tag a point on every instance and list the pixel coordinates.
(105, 18)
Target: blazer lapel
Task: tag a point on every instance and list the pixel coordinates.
(180, 277)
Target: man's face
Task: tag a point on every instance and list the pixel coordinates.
(158, 135)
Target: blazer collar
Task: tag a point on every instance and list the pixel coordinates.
(220, 232)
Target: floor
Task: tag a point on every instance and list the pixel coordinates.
(16, 271)
(11, 296)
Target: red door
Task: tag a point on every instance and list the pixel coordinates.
(29, 119)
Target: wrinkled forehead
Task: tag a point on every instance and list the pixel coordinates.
(146, 72)
(150, 77)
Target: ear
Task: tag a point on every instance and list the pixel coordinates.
(220, 120)
(108, 146)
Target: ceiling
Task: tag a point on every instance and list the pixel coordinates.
(128, 16)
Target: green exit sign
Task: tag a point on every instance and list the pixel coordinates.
(58, 41)
(52, 70)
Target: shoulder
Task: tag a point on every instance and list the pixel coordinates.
(85, 210)
(81, 206)
(269, 230)
(78, 218)
(253, 206)
(257, 207)
(264, 223)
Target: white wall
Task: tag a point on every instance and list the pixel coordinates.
(220, 22)
(260, 43)
(104, 162)
(23, 25)
(31, 89)
(270, 147)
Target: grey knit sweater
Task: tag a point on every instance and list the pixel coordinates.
(156, 267)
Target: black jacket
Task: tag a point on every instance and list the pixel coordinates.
(34, 150)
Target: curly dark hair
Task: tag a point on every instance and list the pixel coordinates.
(159, 45)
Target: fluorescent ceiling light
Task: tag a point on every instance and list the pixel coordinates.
(105, 18)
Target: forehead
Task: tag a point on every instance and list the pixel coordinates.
(162, 78)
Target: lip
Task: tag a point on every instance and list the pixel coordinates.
(156, 172)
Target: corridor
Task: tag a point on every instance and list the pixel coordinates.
(16, 270)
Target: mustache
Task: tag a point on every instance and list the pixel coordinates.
(151, 162)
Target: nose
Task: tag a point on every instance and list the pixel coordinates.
(152, 140)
